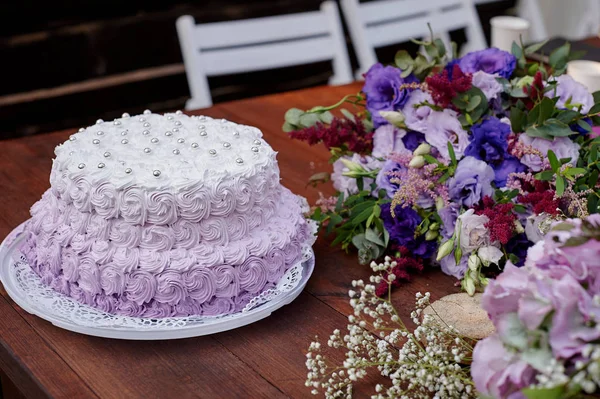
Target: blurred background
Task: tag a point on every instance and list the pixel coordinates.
(65, 63)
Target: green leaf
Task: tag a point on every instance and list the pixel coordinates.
(364, 215)
(595, 109)
(550, 129)
(517, 119)
(308, 120)
(575, 171)
(546, 110)
(335, 219)
(593, 179)
(372, 236)
(596, 96)
(407, 71)
(534, 47)
(567, 116)
(560, 185)
(520, 208)
(534, 115)
(451, 153)
(559, 57)
(592, 203)
(473, 103)
(403, 59)
(544, 393)
(292, 116)
(554, 163)
(439, 43)
(326, 117)
(359, 208)
(287, 127)
(349, 115)
(546, 175)
(517, 51)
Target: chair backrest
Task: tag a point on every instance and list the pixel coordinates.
(229, 47)
(381, 23)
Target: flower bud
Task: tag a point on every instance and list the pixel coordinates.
(422, 149)
(396, 118)
(431, 235)
(469, 285)
(474, 262)
(352, 166)
(445, 249)
(435, 226)
(417, 162)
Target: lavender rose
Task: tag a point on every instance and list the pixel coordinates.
(383, 90)
(471, 182)
(473, 233)
(443, 128)
(491, 61)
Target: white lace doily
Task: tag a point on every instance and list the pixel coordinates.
(26, 289)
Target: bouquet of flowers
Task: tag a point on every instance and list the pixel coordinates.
(546, 344)
(462, 162)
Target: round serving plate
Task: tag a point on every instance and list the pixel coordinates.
(27, 290)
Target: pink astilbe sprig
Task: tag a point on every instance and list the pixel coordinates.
(515, 181)
(416, 184)
(518, 149)
(327, 204)
(340, 133)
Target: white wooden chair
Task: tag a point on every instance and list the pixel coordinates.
(381, 23)
(230, 47)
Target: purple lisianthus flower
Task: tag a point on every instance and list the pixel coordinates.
(449, 266)
(568, 89)
(491, 60)
(383, 90)
(489, 143)
(415, 117)
(518, 246)
(488, 84)
(444, 127)
(563, 147)
(412, 140)
(449, 214)
(347, 184)
(383, 177)
(471, 182)
(388, 139)
(402, 230)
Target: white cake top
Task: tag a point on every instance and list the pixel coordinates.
(155, 151)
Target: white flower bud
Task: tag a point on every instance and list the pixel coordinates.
(474, 262)
(396, 118)
(417, 162)
(445, 249)
(469, 285)
(519, 227)
(422, 149)
(431, 235)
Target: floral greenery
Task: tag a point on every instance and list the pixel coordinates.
(468, 157)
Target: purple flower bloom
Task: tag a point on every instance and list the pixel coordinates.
(416, 117)
(488, 84)
(491, 60)
(443, 128)
(498, 373)
(388, 139)
(489, 143)
(383, 177)
(449, 214)
(471, 182)
(383, 90)
(568, 89)
(563, 147)
(412, 140)
(449, 266)
(402, 230)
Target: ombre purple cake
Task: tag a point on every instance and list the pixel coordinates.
(160, 216)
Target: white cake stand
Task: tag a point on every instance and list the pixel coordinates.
(26, 289)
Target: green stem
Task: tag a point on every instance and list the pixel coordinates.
(318, 109)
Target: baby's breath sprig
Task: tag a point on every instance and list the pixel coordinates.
(431, 361)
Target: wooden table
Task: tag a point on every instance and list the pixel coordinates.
(262, 360)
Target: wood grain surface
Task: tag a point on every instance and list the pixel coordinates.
(262, 360)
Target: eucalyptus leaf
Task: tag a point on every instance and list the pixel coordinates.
(287, 127)
(534, 47)
(517, 119)
(559, 57)
(308, 120)
(292, 116)
(546, 110)
(326, 117)
(473, 103)
(403, 59)
(372, 236)
(550, 129)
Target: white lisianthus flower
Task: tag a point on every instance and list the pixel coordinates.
(473, 233)
(489, 255)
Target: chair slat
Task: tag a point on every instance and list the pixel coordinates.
(260, 30)
(385, 10)
(261, 57)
